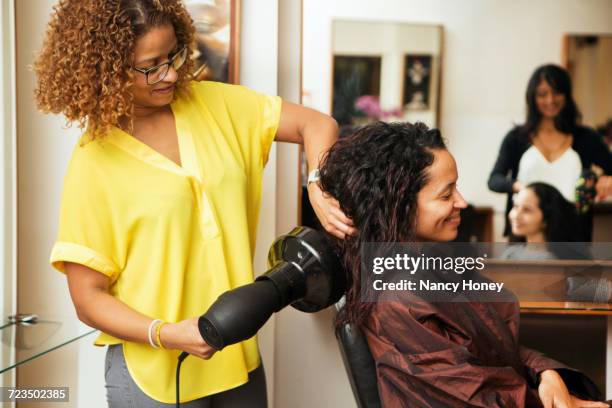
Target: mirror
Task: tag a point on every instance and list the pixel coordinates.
(380, 70)
(362, 63)
(489, 52)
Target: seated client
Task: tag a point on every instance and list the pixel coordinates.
(398, 184)
(540, 215)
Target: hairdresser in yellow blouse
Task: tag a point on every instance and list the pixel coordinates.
(161, 198)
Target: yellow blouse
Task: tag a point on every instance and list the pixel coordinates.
(173, 238)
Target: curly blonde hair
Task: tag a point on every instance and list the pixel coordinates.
(84, 68)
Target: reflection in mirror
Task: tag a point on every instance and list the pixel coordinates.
(380, 71)
(589, 63)
(353, 77)
(490, 51)
(385, 71)
(588, 59)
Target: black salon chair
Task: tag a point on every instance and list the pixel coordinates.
(358, 363)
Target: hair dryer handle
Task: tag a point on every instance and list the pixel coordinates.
(237, 314)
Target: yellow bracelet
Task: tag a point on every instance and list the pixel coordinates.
(158, 334)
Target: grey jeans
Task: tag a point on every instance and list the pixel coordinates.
(122, 391)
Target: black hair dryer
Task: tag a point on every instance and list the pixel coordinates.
(304, 272)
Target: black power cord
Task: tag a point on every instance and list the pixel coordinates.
(182, 357)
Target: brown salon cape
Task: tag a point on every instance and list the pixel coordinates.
(457, 354)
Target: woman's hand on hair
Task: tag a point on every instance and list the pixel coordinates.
(329, 213)
(603, 188)
(185, 336)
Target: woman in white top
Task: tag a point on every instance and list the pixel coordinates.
(551, 146)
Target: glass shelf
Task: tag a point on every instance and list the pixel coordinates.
(23, 342)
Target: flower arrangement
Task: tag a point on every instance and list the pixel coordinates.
(369, 107)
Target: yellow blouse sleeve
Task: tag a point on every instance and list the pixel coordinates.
(85, 234)
(271, 111)
(254, 117)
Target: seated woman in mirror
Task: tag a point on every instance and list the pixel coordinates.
(398, 183)
(540, 215)
(551, 146)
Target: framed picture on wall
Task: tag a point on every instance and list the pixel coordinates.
(216, 48)
(417, 82)
(354, 76)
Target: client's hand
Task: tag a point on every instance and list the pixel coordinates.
(329, 213)
(554, 394)
(185, 336)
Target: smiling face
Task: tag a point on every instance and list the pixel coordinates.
(155, 47)
(526, 217)
(549, 101)
(439, 202)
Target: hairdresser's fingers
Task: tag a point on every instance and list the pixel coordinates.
(340, 216)
(349, 230)
(328, 212)
(334, 211)
(208, 354)
(338, 228)
(332, 203)
(344, 228)
(185, 335)
(324, 194)
(331, 200)
(333, 230)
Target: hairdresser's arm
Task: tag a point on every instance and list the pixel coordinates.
(97, 308)
(317, 132)
(499, 180)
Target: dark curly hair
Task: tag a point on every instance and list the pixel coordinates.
(376, 175)
(84, 68)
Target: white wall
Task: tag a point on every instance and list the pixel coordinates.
(7, 175)
(7, 170)
(258, 70)
(491, 47)
(43, 150)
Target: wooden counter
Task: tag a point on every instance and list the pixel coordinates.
(566, 308)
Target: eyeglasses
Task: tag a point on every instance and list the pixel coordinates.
(158, 73)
